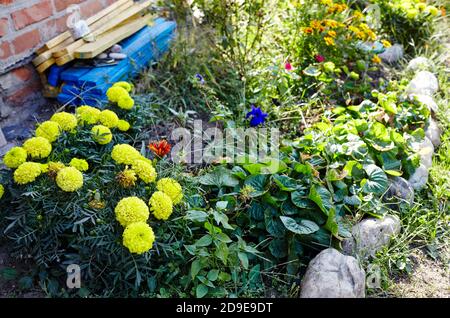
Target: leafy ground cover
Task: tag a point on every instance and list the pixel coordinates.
(247, 227)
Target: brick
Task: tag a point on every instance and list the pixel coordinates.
(53, 28)
(26, 41)
(5, 50)
(90, 8)
(63, 4)
(3, 26)
(23, 73)
(24, 94)
(33, 14)
(6, 2)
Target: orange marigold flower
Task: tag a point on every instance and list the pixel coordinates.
(332, 34)
(160, 148)
(308, 30)
(376, 59)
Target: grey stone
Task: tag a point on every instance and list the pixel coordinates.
(420, 64)
(392, 54)
(116, 48)
(17, 131)
(400, 190)
(424, 83)
(333, 275)
(371, 234)
(427, 100)
(425, 149)
(433, 132)
(419, 178)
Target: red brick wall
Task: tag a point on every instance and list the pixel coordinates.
(25, 25)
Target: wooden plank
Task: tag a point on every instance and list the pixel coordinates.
(41, 68)
(104, 42)
(110, 24)
(46, 55)
(66, 35)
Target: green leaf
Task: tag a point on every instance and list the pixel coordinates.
(256, 211)
(300, 200)
(285, 183)
(220, 177)
(311, 71)
(377, 182)
(195, 268)
(8, 273)
(196, 216)
(205, 240)
(222, 252)
(331, 224)
(305, 226)
(278, 248)
(213, 275)
(322, 197)
(221, 205)
(244, 259)
(258, 183)
(394, 173)
(201, 290)
(223, 238)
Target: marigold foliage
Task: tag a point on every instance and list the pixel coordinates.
(130, 210)
(138, 237)
(108, 118)
(101, 134)
(161, 205)
(67, 121)
(69, 179)
(27, 172)
(49, 130)
(124, 154)
(144, 170)
(37, 147)
(172, 188)
(79, 164)
(15, 157)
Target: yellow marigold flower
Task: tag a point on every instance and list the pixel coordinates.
(332, 34)
(68, 122)
(108, 118)
(37, 147)
(130, 210)
(331, 23)
(364, 27)
(44, 167)
(354, 29)
(125, 85)
(412, 13)
(53, 168)
(50, 130)
(144, 170)
(69, 179)
(79, 164)
(115, 93)
(138, 237)
(161, 205)
(97, 204)
(386, 43)
(146, 160)
(125, 154)
(358, 15)
(101, 134)
(126, 178)
(371, 35)
(15, 157)
(329, 41)
(126, 102)
(432, 10)
(87, 114)
(27, 172)
(327, 2)
(123, 125)
(172, 188)
(2, 190)
(376, 59)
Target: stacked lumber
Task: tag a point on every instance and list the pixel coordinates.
(119, 21)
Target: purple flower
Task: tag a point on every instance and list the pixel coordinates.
(200, 78)
(258, 117)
